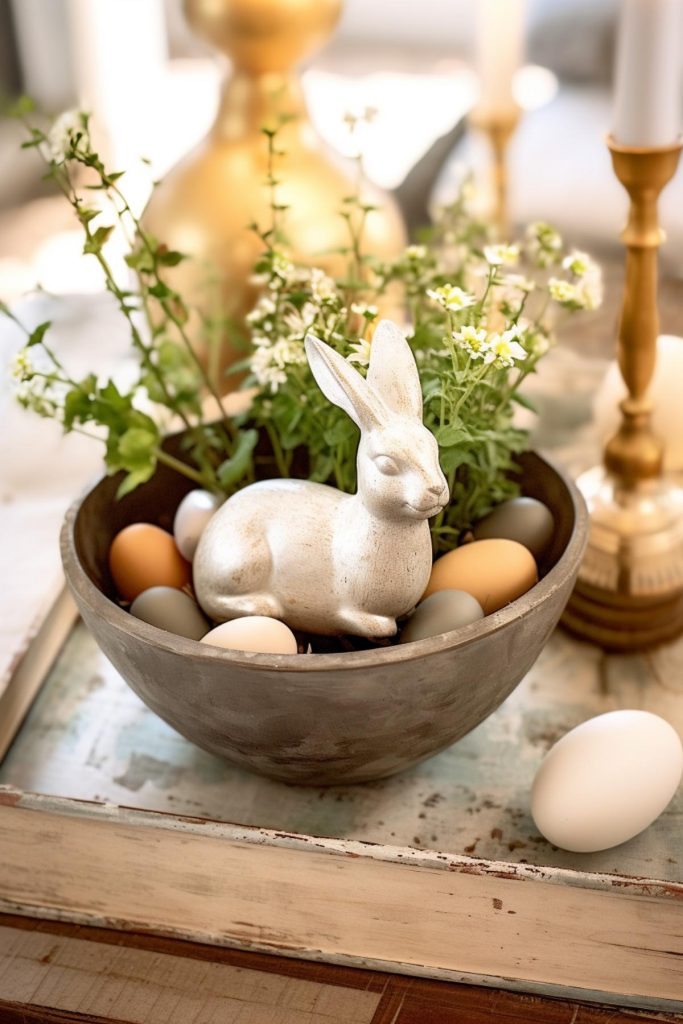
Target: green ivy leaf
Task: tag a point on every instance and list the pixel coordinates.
(234, 468)
(170, 257)
(38, 333)
(95, 242)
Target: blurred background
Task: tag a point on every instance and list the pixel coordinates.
(154, 87)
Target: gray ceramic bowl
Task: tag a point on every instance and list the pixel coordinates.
(323, 718)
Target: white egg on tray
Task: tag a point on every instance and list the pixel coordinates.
(607, 780)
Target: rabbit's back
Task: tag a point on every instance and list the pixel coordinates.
(275, 539)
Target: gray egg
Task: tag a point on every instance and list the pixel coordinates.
(170, 609)
(440, 613)
(525, 520)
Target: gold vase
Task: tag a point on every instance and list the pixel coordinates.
(205, 204)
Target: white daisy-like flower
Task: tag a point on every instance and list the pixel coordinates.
(360, 352)
(578, 263)
(362, 309)
(416, 252)
(591, 290)
(301, 320)
(473, 340)
(61, 136)
(451, 298)
(564, 292)
(269, 362)
(500, 254)
(282, 266)
(263, 308)
(537, 344)
(22, 366)
(504, 349)
(518, 282)
(322, 285)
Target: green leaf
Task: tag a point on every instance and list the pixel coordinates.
(170, 257)
(136, 448)
(160, 290)
(95, 242)
(234, 468)
(38, 333)
(452, 434)
(21, 107)
(133, 480)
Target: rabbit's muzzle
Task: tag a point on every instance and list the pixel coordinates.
(429, 508)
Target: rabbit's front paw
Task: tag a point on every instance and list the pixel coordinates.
(374, 627)
(234, 606)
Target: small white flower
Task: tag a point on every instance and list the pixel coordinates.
(301, 320)
(473, 340)
(518, 282)
(504, 349)
(263, 308)
(578, 263)
(544, 243)
(588, 288)
(283, 268)
(564, 292)
(22, 366)
(62, 134)
(360, 352)
(591, 291)
(537, 344)
(323, 287)
(416, 252)
(499, 254)
(450, 297)
(362, 309)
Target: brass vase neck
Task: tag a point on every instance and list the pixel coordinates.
(249, 102)
(634, 453)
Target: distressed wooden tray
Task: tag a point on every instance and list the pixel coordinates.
(107, 816)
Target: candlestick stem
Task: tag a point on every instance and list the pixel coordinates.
(498, 127)
(634, 453)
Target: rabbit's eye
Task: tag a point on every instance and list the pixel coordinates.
(387, 465)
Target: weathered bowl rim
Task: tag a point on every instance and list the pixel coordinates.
(102, 606)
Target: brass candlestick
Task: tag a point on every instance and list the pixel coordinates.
(498, 127)
(629, 594)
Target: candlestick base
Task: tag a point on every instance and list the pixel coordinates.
(629, 593)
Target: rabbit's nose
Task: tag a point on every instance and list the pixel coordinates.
(436, 490)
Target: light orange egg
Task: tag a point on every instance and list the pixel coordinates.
(495, 572)
(143, 556)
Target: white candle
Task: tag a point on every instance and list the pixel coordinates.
(647, 108)
(500, 51)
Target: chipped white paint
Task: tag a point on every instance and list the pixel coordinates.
(341, 901)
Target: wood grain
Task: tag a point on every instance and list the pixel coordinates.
(398, 1000)
(145, 987)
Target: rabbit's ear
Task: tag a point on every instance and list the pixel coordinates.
(343, 385)
(392, 373)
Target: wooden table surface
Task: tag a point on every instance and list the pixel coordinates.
(53, 972)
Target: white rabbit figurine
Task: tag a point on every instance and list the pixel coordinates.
(321, 560)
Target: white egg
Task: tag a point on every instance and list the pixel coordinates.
(606, 780)
(253, 633)
(191, 518)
